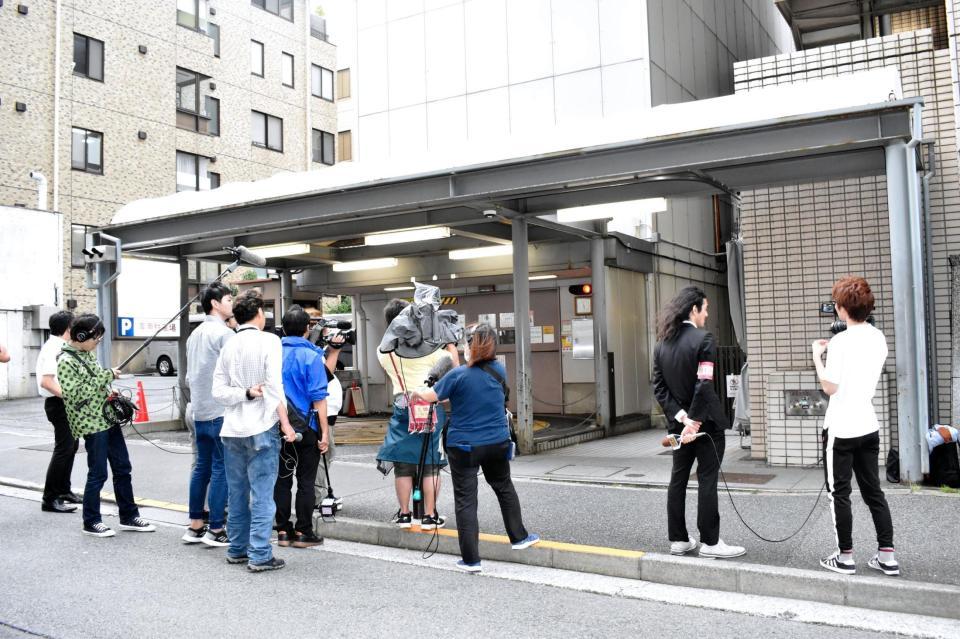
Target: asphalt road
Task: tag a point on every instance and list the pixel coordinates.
(59, 583)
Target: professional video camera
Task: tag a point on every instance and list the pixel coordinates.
(838, 325)
(421, 328)
(333, 328)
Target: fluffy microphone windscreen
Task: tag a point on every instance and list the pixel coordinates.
(250, 257)
(443, 366)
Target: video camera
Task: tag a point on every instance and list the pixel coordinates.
(838, 325)
(333, 328)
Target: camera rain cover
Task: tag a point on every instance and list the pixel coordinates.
(422, 327)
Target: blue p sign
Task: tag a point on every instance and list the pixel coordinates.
(125, 326)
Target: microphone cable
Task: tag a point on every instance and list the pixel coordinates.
(823, 486)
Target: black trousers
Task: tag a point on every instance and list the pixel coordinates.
(858, 456)
(708, 469)
(496, 470)
(64, 449)
(301, 459)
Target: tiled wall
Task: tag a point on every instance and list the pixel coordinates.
(799, 239)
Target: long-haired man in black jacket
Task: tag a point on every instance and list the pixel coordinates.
(683, 369)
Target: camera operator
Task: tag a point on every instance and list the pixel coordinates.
(479, 437)
(85, 386)
(305, 385)
(851, 438)
(402, 448)
(329, 343)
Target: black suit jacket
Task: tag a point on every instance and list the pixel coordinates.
(676, 385)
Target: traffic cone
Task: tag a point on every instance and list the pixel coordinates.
(141, 415)
(351, 407)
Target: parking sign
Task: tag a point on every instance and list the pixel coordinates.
(125, 326)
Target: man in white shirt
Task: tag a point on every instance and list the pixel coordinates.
(248, 382)
(851, 441)
(57, 496)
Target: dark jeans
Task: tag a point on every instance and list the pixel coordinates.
(64, 449)
(208, 471)
(708, 468)
(860, 456)
(302, 459)
(496, 470)
(108, 446)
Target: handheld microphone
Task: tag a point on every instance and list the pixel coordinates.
(673, 441)
(298, 437)
(246, 255)
(443, 366)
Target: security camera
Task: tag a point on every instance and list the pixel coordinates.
(490, 213)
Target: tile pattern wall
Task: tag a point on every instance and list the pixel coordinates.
(801, 238)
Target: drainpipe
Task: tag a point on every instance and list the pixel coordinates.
(307, 74)
(56, 111)
(934, 373)
(41, 181)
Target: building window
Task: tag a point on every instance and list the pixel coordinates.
(321, 82)
(86, 152)
(345, 144)
(213, 30)
(192, 14)
(87, 57)
(267, 131)
(193, 105)
(256, 58)
(323, 147)
(193, 173)
(78, 242)
(214, 180)
(343, 84)
(286, 68)
(282, 8)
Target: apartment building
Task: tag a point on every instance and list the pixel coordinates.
(112, 101)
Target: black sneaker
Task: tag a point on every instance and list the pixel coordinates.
(283, 538)
(843, 567)
(429, 522)
(137, 525)
(307, 540)
(892, 569)
(237, 560)
(216, 539)
(194, 535)
(403, 520)
(273, 564)
(98, 530)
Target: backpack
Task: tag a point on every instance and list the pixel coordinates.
(945, 465)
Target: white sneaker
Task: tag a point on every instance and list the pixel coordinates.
(683, 547)
(721, 550)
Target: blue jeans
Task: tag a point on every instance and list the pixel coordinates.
(209, 471)
(108, 446)
(251, 464)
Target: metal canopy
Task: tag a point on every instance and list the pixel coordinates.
(818, 23)
(828, 145)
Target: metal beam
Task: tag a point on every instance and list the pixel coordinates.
(286, 295)
(184, 321)
(601, 380)
(906, 255)
(524, 351)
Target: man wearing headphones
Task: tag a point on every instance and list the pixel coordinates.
(85, 386)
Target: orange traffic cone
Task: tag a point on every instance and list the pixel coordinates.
(351, 407)
(141, 415)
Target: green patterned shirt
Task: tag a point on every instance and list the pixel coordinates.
(85, 386)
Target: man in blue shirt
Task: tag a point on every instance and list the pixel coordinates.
(305, 384)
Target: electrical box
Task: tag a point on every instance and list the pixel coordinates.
(805, 403)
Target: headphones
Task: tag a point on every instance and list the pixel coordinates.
(82, 335)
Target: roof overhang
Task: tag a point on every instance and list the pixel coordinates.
(818, 23)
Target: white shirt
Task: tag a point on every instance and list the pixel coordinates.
(855, 359)
(47, 362)
(251, 357)
(203, 348)
(335, 397)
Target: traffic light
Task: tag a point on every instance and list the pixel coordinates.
(581, 289)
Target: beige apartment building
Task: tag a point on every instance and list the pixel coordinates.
(112, 101)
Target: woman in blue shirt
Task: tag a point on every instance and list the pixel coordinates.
(478, 436)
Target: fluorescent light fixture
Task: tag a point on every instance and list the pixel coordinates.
(281, 250)
(399, 288)
(413, 235)
(483, 251)
(366, 265)
(633, 208)
(542, 277)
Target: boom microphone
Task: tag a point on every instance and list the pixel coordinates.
(443, 366)
(246, 255)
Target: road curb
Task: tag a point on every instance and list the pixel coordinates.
(887, 594)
